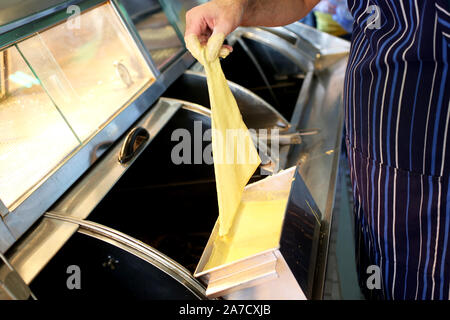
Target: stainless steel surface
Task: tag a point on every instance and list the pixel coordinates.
(12, 286)
(319, 154)
(326, 48)
(284, 287)
(276, 43)
(31, 253)
(84, 196)
(319, 105)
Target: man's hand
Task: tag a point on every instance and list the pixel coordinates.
(218, 18)
(221, 17)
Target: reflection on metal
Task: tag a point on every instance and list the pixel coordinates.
(12, 286)
(302, 100)
(134, 142)
(3, 209)
(31, 253)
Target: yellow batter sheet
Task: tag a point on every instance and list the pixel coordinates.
(250, 221)
(256, 228)
(234, 153)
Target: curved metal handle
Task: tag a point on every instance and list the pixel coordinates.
(134, 142)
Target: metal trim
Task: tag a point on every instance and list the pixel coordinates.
(129, 25)
(3, 209)
(25, 27)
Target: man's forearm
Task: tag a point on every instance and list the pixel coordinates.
(273, 13)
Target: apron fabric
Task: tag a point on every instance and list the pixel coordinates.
(397, 101)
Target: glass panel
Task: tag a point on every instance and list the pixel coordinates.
(34, 138)
(176, 11)
(154, 28)
(91, 68)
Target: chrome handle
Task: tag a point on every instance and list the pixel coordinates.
(134, 142)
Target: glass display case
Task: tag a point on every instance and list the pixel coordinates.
(34, 137)
(58, 88)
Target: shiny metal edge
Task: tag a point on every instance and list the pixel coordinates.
(302, 101)
(41, 9)
(129, 25)
(284, 177)
(31, 253)
(12, 286)
(132, 245)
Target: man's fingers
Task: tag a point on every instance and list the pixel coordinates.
(214, 45)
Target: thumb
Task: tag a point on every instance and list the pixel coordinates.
(214, 46)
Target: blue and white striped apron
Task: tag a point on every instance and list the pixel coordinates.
(397, 99)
